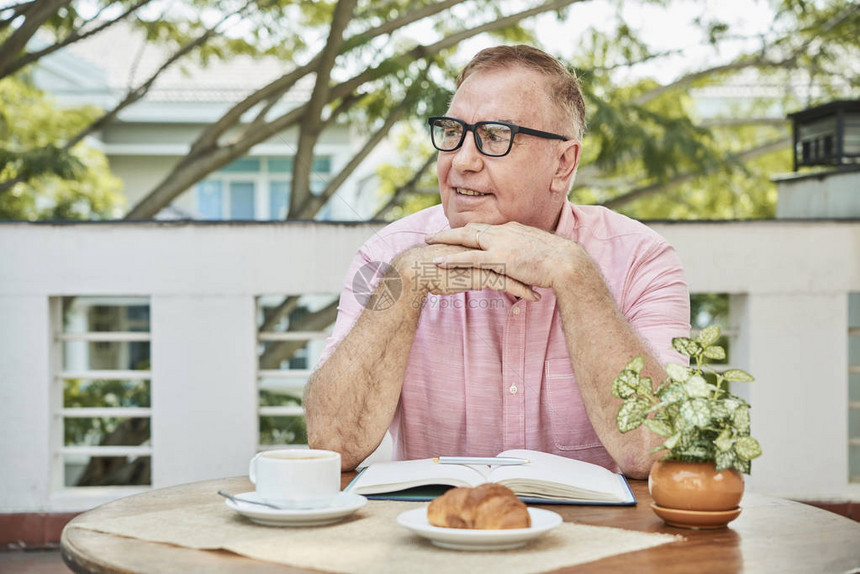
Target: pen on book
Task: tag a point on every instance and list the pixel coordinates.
(497, 460)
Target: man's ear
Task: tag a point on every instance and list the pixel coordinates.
(568, 161)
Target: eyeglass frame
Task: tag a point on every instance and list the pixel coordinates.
(515, 129)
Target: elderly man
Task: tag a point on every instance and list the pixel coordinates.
(508, 310)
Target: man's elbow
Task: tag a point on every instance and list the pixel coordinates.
(323, 436)
(636, 470)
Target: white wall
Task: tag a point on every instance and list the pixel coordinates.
(790, 282)
(830, 194)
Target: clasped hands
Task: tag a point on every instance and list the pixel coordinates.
(511, 257)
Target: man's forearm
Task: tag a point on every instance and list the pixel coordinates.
(601, 342)
(350, 400)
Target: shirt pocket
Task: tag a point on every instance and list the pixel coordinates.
(570, 428)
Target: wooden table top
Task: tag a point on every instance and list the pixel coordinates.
(771, 535)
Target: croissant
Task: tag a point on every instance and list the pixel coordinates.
(488, 506)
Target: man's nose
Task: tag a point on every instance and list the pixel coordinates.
(468, 158)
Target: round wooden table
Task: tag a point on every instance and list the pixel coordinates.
(771, 535)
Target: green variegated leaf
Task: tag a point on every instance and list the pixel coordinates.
(697, 386)
(686, 346)
(719, 412)
(708, 336)
(657, 449)
(724, 460)
(658, 427)
(673, 411)
(724, 441)
(738, 376)
(636, 365)
(672, 441)
(672, 393)
(677, 372)
(747, 448)
(741, 419)
(624, 385)
(731, 404)
(743, 466)
(700, 451)
(632, 413)
(681, 424)
(715, 353)
(697, 412)
(644, 386)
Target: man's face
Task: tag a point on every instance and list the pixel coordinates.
(476, 188)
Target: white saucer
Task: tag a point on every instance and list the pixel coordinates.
(342, 506)
(468, 539)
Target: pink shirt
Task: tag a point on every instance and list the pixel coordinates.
(488, 372)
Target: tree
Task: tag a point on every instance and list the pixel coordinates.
(71, 184)
(647, 153)
(360, 64)
(724, 171)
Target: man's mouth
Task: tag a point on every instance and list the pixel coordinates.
(464, 191)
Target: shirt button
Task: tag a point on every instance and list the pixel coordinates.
(513, 389)
(516, 311)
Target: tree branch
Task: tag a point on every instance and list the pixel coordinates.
(285, 308)
(406, 188)
(206, 155)
(313, 203)
(275, 354)
(277, 88)
(35, 15)
(644, 191)
(760, 61)
(75, 36)
(137, 93)
(312, 121)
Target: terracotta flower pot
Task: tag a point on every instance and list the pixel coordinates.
(694, 495)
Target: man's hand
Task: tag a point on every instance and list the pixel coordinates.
(419, 267)
(528, 255)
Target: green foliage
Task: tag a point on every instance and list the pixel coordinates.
(78, 393)
(702, 421)
(412, 143)
(637, 139)
(281, 429)
(58, 183)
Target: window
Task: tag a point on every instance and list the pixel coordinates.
(291, 336)
(101, 392)
(854, 386)
(255, 188)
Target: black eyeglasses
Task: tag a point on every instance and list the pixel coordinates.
(494, 139)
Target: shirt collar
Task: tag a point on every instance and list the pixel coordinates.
(566, 222)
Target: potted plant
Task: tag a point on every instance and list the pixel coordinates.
(698, 482)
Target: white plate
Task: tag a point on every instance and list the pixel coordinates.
(342, 506)
(474, 539)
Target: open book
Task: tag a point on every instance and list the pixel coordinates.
(546, 479)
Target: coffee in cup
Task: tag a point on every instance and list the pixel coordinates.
(296, 478)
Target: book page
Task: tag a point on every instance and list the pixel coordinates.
(398, 475)
(553, 475)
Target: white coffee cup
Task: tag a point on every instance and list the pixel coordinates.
(296, 478)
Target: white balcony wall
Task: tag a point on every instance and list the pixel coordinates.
(789, 280)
